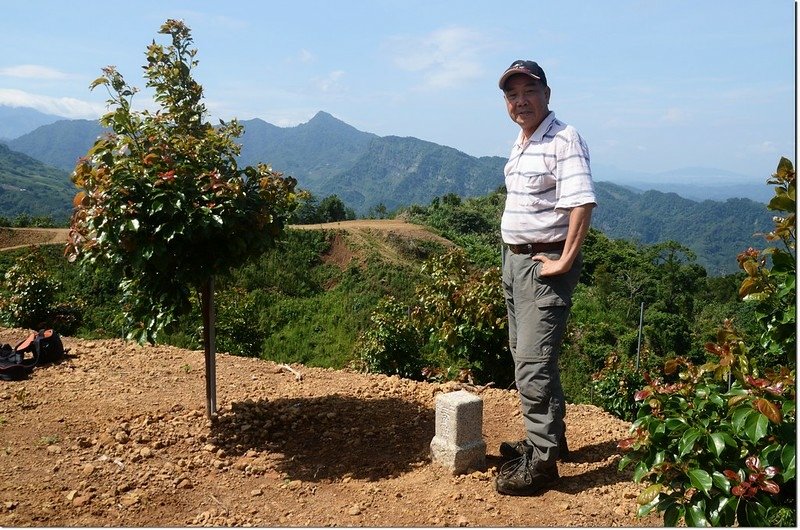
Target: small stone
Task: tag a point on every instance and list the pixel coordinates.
(184, 484)
(54, 449)
(256, 493)
(463, 521)
(146, 452)
(122, 437)
(81, 500)
(87, 469)
(354, 510)
(130, 499)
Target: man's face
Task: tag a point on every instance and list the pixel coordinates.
(527, 100)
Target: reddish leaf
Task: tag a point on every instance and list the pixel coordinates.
(770, 487)
(626, 444)
(768, 409)
(731, 475)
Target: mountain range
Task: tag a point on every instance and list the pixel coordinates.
(327, 156)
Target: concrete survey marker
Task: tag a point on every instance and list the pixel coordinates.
(458, 444)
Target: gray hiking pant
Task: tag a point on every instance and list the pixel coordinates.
(538, 309)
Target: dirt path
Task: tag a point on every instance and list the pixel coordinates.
(11, 238)
(117, 435)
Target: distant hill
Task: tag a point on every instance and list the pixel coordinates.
(29, 187)
(696, 183)
(716, 231)
(328, 156)
(16, 121)
(311, 152)
(59, 144)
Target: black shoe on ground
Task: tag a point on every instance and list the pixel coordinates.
(511, 450)
(524, 476)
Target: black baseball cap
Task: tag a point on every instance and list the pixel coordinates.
(529, 68)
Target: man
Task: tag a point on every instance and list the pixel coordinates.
(549, 201)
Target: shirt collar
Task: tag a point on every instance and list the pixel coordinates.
(541, 130)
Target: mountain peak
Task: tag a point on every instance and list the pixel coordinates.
(324, 117)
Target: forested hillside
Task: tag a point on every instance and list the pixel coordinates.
(31, 188)
(59, 144)
(714, 231)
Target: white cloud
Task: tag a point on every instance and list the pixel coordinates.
(445, 57)
(331, 82)
(305, 56)
(65, 107)
(766, 147)
(32, 71)
(675, 115)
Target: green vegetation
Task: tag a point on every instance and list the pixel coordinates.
(29, 187)
(717, 441)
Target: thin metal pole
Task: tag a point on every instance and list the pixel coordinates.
(208, 346)
(639, 344)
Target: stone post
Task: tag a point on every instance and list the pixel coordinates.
(458, 444)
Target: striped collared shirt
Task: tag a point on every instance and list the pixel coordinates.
(545, 177)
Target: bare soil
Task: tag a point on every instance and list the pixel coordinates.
(118, 434)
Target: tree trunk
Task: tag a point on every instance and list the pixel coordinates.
(207, 303)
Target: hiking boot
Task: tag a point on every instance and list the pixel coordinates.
(511, 450)
(524, 476)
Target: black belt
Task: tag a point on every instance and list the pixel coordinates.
(536, 248)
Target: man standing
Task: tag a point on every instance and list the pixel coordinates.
(549, 201)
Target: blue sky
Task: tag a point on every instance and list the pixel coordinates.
(652, 85)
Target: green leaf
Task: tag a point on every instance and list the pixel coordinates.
(673, 515)
(756, 514)
(649, 494)
(696, 514)
(688, 440)
(676, 424)
(789, 462)
(717, 400)
(644, 509)
(721, 482)
(756, 427)
(740, 416)
(701, 480)
(624, 461)
(722, 510)
(640, 471)
(716, 443)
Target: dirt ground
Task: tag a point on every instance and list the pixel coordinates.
(117, 435)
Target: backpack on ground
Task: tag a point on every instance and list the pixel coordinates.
(45, 345)
(40, 347)
(15, 366)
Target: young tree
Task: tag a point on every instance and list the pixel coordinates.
(163, 203)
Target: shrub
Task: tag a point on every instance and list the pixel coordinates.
(717, 444)
(455, 330)
(29, 293)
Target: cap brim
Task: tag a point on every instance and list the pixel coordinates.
(515, 71)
